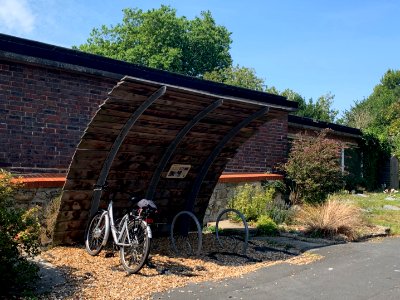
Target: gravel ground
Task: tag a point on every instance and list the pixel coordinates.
(102, 277)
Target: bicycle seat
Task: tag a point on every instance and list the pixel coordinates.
(145, 203)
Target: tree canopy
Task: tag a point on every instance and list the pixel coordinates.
(320, 110)
(379, 113)
(237, 76)
(246, 77)
(160, 39)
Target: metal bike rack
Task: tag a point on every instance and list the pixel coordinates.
(246, 228)
(199, 232)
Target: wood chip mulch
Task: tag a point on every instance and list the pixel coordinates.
(102, 277)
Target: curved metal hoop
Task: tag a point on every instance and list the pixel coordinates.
(246, 227)
(199, 233)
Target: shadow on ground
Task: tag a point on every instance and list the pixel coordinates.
(64, 281)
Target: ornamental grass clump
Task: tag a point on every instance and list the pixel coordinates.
(330, 219)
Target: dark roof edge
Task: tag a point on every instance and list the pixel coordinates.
(310, 123)
(110, 68)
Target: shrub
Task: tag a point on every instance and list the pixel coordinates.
(255, 200)
(313, 168)
(330, 218)
(251, 200)
(48, 218)
(279, 211)
(266, 226)
(209, 229)
(19, 239)
(375, 153)
(355, 183)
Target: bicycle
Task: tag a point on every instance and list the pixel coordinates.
(132, 234)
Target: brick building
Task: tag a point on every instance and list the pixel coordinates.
(49, 94)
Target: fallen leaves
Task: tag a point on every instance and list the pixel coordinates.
(98, 277)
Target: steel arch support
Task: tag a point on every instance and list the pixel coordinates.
(117, 144)
(174, 144)
(217, 150)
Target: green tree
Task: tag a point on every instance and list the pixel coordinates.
(322, 109)
(393, 129)
(237, 76)
(378, 114)
(319, 110)
(359, 116)
(159, 39)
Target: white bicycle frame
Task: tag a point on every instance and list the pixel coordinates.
(116, 234)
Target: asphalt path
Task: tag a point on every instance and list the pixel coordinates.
(365, 270)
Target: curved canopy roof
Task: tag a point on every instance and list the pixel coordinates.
(159, 141)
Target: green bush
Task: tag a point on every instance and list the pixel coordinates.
(255, 200)
(279, 211)
(209, 229)
(48, 217)
(19, 239)
(354, 183)
(313, 168)
(266, 226)
(375, 153)
(251, 200)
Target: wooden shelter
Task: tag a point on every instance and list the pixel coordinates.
(163, 142)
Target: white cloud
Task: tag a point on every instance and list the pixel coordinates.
(16, 17)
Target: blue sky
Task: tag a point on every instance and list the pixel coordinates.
(312, 47)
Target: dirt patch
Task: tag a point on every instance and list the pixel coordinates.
(88, 277)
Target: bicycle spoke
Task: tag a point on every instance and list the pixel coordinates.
(134, 256)
(96, 234)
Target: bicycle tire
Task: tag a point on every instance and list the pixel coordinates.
(134, 257)
(96, 233)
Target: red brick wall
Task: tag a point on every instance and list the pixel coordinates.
(44, 112)
(43, 115)
(265, 150)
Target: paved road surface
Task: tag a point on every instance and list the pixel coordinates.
(367, 270)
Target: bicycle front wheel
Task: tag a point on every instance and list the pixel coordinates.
(96, 233)
(133, 257)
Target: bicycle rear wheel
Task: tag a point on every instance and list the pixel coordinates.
(96, 233)
(133, 257)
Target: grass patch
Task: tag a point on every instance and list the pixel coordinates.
(372, 207)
